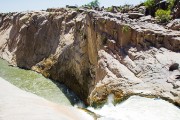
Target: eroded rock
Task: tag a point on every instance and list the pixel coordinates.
(174, 25)
(94, 53)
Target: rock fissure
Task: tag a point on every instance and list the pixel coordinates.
(95, 53)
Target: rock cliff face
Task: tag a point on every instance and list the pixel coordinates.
(94, 53)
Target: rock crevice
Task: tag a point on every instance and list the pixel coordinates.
(95, 53)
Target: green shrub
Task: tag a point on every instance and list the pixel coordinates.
(163, 15)
(149, 3)
(109, 9)
(171, 4)
(125, 8)
(94, 3)
(125, 28)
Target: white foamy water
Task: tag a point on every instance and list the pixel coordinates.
(139, 108)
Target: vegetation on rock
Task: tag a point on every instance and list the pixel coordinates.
(163, 15)
(94, 3)
(125, 28)
(171, 4)
(109, 9)
(149, 3)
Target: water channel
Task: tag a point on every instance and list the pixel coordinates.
(134, 108)
(33, 82)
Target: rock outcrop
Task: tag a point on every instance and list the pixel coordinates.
(176, 9)
(174, 24)
(95, 53)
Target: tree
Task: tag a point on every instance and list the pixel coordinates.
(149, 3)
(94, 3)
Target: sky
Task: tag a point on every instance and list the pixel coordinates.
(24, 5)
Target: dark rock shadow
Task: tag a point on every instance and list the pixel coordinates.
(72, 97)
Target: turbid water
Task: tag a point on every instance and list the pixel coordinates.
(134, 108)
(36, 83)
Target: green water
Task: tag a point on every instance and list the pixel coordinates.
(35, 83)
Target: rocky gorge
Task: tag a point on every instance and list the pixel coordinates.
(96, 53)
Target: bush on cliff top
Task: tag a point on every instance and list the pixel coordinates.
(94, 3)
(171, 4)
(163, 15)
(149, 3)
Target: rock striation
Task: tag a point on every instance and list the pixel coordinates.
(95, 53)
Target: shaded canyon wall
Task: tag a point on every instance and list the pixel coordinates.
(67, 45)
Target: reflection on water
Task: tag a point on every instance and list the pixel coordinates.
(35, 83)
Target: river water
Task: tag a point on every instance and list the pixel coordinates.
(134, 108)
(138, 108)
(33, 82)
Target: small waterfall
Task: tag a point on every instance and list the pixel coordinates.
(134, 108)
(138, 108)
(110, 99)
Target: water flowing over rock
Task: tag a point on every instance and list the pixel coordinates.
(95, 53)
(138, 108)
(16, 104)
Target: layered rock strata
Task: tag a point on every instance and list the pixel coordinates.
(94, 53)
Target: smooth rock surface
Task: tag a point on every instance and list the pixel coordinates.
(16, 104)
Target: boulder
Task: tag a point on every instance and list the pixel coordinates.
(174, 66)
(148, 18)
(135, 15)
(174, 24)
(177, 76)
